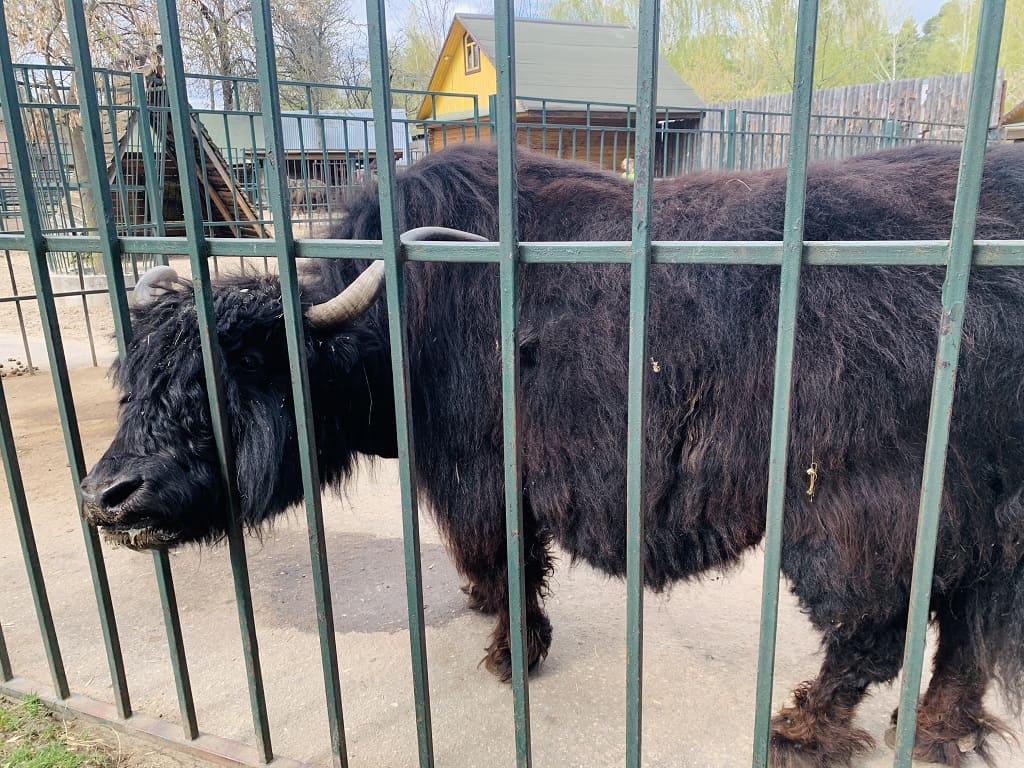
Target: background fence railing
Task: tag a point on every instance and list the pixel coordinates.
(330, 153)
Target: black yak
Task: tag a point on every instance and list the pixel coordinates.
(862, 381)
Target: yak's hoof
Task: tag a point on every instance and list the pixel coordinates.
(478, 600)
(942, 743)
(499, 656)
(801, 740)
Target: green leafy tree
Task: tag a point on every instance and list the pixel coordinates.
(1011, 56)
(949, 40)
(730, 49)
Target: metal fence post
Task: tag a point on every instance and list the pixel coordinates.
(35, 244)
(789, 293)
(277, 187)
(492, 111)
(394, 269)
(889, 133)
(954, 297)
(730, 139)
(508, 229)
(199, 254)
(640, 262)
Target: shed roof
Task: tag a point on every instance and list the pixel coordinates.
(578, 61)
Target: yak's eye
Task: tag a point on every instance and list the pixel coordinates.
(251, 362)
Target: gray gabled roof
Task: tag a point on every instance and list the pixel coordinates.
(578, 61)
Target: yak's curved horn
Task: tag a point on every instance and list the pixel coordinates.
(364, 290)
(440, 233)
(152, 279)
(351, 302)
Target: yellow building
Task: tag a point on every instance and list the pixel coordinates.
(575, 91)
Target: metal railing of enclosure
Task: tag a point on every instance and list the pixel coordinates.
(267, 186)
(330, 154)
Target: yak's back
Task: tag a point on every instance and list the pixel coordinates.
(901, 194)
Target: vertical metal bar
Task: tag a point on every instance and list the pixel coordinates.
(643, 189)
(31, 555)
(36, 248)
(154, 193)
(6, 673)
(176, 644)
(394, 272)
(122, 185)
(198, 250)
(789, 285)
(284, 244)
(745, 136)
(730, 140)
(14, 292)
(110, 252)
(88, 105)
(508, 229)
(235, 212)
(59, 160)
(954, 296)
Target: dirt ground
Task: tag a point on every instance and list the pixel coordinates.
(700, 640)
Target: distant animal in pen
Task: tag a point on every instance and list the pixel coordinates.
(865, 347)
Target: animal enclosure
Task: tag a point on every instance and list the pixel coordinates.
(791, 256)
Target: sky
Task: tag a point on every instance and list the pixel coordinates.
(921, 10)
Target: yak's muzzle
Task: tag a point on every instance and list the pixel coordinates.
(117, 506)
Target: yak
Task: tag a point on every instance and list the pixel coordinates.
(864, 362)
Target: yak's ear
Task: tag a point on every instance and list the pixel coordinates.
(421, 234)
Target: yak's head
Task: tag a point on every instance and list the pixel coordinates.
(160, 484)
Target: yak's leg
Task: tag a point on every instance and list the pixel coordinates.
(951, 721)
(537, 569)
(481, 597)
(817, 730)
(483, 562)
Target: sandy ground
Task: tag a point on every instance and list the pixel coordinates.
(700, 640)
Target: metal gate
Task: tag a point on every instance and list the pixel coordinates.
(957, 256)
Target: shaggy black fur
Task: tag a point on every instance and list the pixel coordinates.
(862, 381)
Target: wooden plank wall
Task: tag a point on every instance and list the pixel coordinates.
(847, 121)
(938, 100)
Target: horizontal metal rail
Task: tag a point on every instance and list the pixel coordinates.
(922, 253)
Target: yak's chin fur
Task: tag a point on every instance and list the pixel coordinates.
(862, 377)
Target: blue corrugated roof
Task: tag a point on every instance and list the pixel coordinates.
(337, 130)
(331, 130)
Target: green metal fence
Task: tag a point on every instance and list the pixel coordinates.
(330, 154)
(269, 186)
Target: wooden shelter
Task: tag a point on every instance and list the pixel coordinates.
(222, 199)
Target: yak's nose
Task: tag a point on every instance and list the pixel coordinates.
(105, 494)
